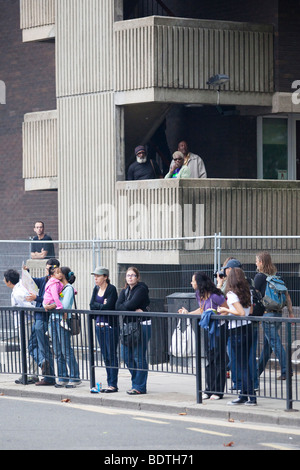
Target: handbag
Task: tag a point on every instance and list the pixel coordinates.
(75, 321)
(130, 333)
(183, 339)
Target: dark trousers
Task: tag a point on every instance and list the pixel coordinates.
(241, 343)
(216, 362)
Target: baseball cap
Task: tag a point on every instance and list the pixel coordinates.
(100, 270)
(232, 263)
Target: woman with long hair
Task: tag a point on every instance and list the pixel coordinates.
(209, 297)
(240, 305)
(135, 298)
(272, 341)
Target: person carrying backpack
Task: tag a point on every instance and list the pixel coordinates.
(274, 299)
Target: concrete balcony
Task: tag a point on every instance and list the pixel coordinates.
(37, 19)
(166, 59)
(40, 151)
(200, 208)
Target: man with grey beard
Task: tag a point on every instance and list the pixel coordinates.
(142, 168)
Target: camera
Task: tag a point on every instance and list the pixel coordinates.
(220, 273)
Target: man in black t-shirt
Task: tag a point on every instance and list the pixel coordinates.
(41, 250)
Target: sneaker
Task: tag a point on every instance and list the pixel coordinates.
(61, 384)
(73, 383)
(251, 403)
(205, 396)
(215, 397)
(31, 379)
(237, 401)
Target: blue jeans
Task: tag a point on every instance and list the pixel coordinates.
(135, 360)
(39, 348)
(61, 340)
(108, 338)
(272, 342)
(241, 343)
(252, 358)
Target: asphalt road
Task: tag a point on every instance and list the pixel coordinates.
(44, 425)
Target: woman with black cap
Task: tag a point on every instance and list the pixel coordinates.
(104, 297)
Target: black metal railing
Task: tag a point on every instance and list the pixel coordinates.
(225, 360)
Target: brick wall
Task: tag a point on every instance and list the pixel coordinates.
(28, 70)
(287, 61)
(282, 14)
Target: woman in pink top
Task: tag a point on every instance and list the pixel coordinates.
(53, 288)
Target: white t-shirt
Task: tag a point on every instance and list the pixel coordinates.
(232, 298)
(18, 295)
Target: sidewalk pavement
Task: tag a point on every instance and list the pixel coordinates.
(167, 392)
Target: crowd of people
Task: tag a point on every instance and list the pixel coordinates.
(234, 345)
(57, 293)
(230, 345)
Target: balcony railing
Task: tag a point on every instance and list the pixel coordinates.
(37, 19)
(158, 209)
(40, 150)
(176, 54)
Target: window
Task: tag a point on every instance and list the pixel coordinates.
(278, 144)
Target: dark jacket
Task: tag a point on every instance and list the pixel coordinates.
(132, 299)
(111, 296)
(41, 283)
(143, 171)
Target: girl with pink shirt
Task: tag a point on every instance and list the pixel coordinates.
(53, 288)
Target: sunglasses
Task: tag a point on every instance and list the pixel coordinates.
(177, 159)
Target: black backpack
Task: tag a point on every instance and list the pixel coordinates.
(258, 307)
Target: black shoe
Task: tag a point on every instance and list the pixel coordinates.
(109, 390)
(238, 401)
(31, 379)
(251, 403)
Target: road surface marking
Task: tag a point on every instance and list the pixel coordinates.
(205, 431)
(278, 429)
(276, 446)
(150, 420)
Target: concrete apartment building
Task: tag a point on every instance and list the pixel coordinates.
(88, 80)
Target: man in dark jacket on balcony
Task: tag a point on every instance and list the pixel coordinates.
(142, 168)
